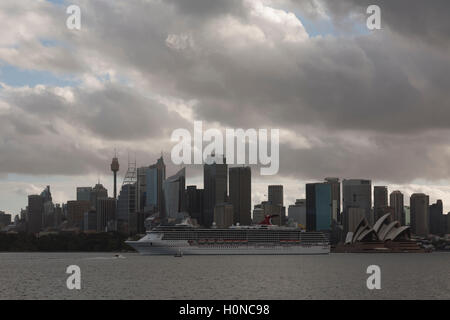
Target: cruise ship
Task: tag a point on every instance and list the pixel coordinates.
(262, 239)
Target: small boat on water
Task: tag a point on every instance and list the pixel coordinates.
(179, 254)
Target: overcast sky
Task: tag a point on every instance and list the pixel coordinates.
(350, 103)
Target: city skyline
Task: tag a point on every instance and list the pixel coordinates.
(275, 193)
(288, 197)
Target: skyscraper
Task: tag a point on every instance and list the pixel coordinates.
(141, 193)
(407, 214)
(380, 201)
(215, 181)
(318, 207)
(174, 193)
(126, 207)
(46, 194)
(40, 208)
(48, 218)
(5, 219)
(223, 215)
(297, 212)
(419, 203)
(98, 192)
(357, 193)
(437, 218)
(397, 203)
(84, 193)
(194, 203)
(335, 197)
(106, 210)
(155, 176)
(90, 221)
(354, 217)
(75, 213)
(276, 196)
(240, 194)
(127, 202)
(258, 214)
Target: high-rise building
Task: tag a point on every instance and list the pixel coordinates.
(90, 221)
(174, 193)
(58, 219)
(437, 218)
(215, 181)
(380, 201)
(194, 203)
(276, 196)
(258, 214)
(335, 197)
(5, 219)
(354, 217)
(75, 213)
(141, 192)
(275, 204)
(407, 214)
(49, 209)
(318, 207)
(223, 215)
(397, 203)
(419, 203)
(241, 194)
(126, 206)
(35, 213)
(357, 193)
(98, 192)
(46, 195)
(155, 176)
(297, 212)
(106, 211)
(84, 193)
(150, 196)
(48, 217)
(127, 202)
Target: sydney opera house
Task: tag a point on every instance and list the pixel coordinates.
(383, 230)
(384, 236)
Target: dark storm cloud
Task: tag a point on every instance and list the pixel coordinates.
(112, 113)
(117, 113)
(373, 82)
(248, 66)
(399, 159)
(367, 84)
(46, 131)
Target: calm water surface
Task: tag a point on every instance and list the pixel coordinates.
(335, 276)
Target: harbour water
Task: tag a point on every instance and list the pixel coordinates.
(131, 276)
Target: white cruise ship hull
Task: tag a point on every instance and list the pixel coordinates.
(183, 247)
